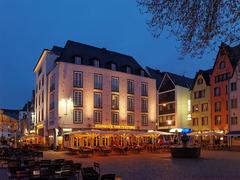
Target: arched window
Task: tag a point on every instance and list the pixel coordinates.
(222, 65)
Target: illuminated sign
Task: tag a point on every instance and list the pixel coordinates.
(102, 126)
(180, 130)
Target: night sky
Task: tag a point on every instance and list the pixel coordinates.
(29, 26)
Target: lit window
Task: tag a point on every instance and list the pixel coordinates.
(204, 121)
(217, 106)
(115, 101)
(217, 120)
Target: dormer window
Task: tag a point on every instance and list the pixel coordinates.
(78, 60)
(96, 63)
(113, 67)
(128, 69)
(142, 73)
(222, 65)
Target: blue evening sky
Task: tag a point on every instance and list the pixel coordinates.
(29, 26)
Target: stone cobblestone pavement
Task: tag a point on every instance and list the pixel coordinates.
(150, 166)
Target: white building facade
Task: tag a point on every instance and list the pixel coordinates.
(81, 87)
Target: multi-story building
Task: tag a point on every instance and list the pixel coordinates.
(173, 102)
(82, 87)
(8, 123)
(201, 102)
(27, 118)
(223, 68)
(234, 107)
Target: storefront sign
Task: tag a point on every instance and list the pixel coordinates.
(102, 126)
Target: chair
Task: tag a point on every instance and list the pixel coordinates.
(68, 162)
(58, 161)
(108, 177)
(96, 167)
(77, 168)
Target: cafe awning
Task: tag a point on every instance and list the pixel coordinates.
(233, 133)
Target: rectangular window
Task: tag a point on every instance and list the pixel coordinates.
(98, 79)
(217, 91)
(195, 108)
(144, 119)
(96, 63)
(130, 119)
(130, 86)
(195, 121)
(115, 101)
(42, 80)
(78, 60)
(77, 98)
(97, 117)
(234, 120)
(204, 107)
(204, 121)
(113, 67)
(78, 79)
(217, 106)
(233, 86)
(144, 105)
(78, 116)
(97, 100)
(52, 83)
(52, 104)
(42, 115)
(130, 103)
(51, 117)
(217, 120)
(233, 103)
(115, 118)
(144, 89)
(115, 84)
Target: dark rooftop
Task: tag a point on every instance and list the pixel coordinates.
(156, 74)
(181, 80)
(206, 75)
(89, 53)
(11, 113)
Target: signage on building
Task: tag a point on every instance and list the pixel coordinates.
(102, 126)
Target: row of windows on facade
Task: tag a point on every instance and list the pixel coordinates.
(166, 107)
(204, 121)
(98, 101)
(98, 83)
(78, 60)
(40, 84)
(97, 117)
(204, 107)
(218, 121)
(217, 90)
(233, 105)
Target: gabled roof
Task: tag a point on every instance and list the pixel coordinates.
(206, 76)
(232, 52)
(181, 80)
(11, 113)
(89, 53)
(156, 74)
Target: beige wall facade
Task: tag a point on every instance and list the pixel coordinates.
(201, 106)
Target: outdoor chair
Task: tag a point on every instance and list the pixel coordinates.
(108, 177)
(68, 162)
(58, 161)
(77, 168)
(96, 167)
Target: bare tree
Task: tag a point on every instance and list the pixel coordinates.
(197, 24)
